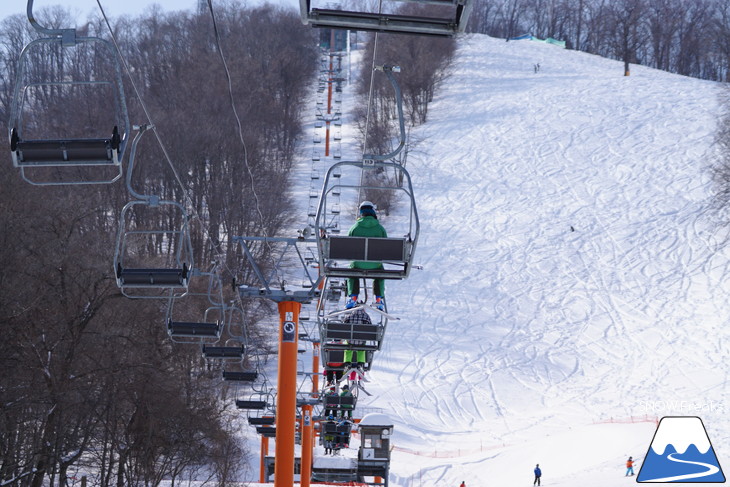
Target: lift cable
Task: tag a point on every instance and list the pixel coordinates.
(187, 197)
(240, 136)
(370, 99)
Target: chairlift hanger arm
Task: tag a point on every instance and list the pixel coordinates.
(389, 70)
(68, 35)
(141, 129)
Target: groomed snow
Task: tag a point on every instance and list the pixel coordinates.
(523, 331)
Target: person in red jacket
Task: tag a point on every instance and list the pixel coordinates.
(463, 484)
(629, 467)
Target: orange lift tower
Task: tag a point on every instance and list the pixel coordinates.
(289, 303)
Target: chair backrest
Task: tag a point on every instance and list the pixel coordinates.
(335, 356)
(448, 26)
(367, 249)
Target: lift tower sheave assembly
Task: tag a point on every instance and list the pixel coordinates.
(289, 303)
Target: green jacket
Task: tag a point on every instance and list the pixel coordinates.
(367, 226)
(346, 393)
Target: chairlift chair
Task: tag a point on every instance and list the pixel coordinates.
(339, 335)
(224, 352)
(240, 376)
(190, 329)
(261, 420)
(338, 429)
(259, 406)
(266, 431)
(46, 156)
(333, 353)
(138, 272)
(335, 251)
(254, 402)
(207, 330)
(452, 18)
(335, 401)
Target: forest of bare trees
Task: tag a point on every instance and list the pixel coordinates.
(91, 384)
(688, 37)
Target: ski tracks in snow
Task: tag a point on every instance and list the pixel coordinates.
(567, 257)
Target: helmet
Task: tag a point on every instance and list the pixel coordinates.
(366, 204)
(345, 386)
(367, 208)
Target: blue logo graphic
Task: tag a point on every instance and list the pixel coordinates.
(681, 452)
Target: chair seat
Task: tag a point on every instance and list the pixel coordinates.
(176, 277)
(236, 376)
(235, 352)
(242, 404)
(65, 152)
(192, 329)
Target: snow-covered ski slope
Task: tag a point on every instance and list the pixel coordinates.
(573, 272)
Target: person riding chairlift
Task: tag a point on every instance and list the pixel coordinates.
(367, 225)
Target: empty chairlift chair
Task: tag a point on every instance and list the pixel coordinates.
(240, 376)
(445, 19)
(207, 330)
(254, 402)
(84, 139)
(224, 352)
(189, 329)
(259, 407)
(261, 420)
(154, 260)
(266, 431)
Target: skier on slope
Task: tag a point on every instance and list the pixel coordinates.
(538, 474)
(463, 484)
(367, 225)
(629, 467)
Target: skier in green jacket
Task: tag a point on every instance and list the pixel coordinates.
(367, 225)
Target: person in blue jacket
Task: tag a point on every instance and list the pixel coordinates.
(538, 474)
